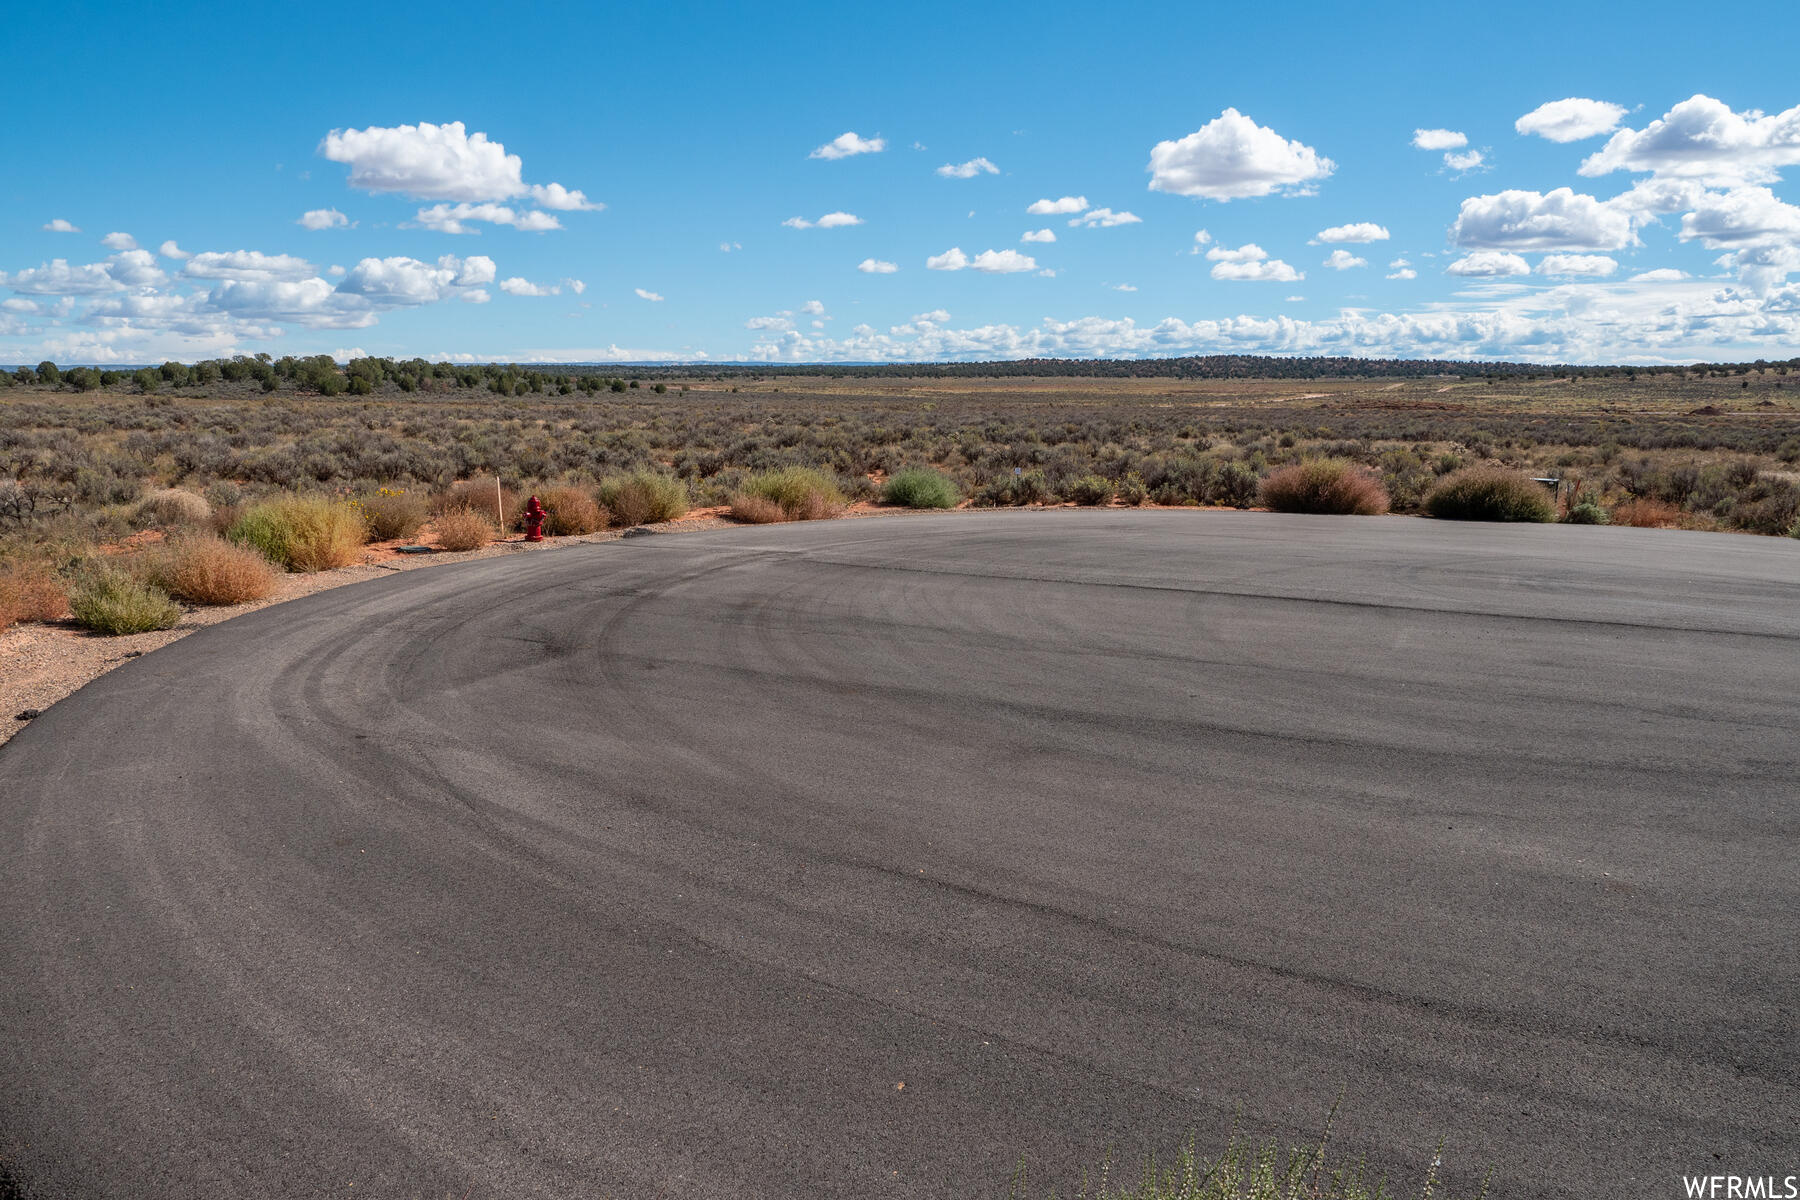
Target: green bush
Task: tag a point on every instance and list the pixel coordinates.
(1091, 490)
(1587, 511)
(1489, 494)
(1027, 487)
(302, 533)
(802, 493)
(1334, 486)
(643, 497)
(920, 488)
(113, 603)
(393, 514)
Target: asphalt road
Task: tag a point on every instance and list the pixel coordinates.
(862, 858)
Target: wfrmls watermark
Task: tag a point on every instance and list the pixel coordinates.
(1741, 1187)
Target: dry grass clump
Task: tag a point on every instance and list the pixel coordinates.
(113, 603)
(801, 494)
(172, 507)
(570, 511)
(754, 510)
(393, 513)
(1334, 486)
(1645, 513)
(1489, 494)
(210, 570)
(463, 529)
(1247, 1171)
(644, 497)
(302, 533)
(30, 591)
(480, 494)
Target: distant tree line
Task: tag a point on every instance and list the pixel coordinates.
(321, 375)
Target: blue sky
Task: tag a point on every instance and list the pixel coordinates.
(628, 196)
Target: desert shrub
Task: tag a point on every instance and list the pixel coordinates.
(1489, 494)
(210, 570)
(803, 494)
(1027, 487)
(1132, 490)
(172, 507)
(643, 497)
(1090, 490)
(1645, 513)
(1767, 504)
(1586, 512)
(480, 495)
(755, 510)
(1234, 484)
(302, 533)
(393, 514)
(920, 488)
(111, 602)
(464, 529)
(1325, 485)
(30, 591)
(569, 511)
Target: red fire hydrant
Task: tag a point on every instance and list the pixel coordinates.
(534, 520)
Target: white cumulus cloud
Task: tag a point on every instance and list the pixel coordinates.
(119, 241)
(520, 286)
(876, 266)
(1558, 220)
(847, 144)
(1039, 235)
(968, 170)
(457, 218)
(1740, 217)
(1403, 273)
(440, 162)
(1588, 265)
(59, 225)
(644, 294)
(1250, 263)
(170, 250)
(1660, 275)
(1361, 232)
(1439, 139)
(831, 220)
(1465, 162)
(1570, 120)
(1343, 260)
(405, 282)
(1485, 264)
(1702, 138)
(1105, 218)
(1002, 262)
(1051, 208)
(562, 199)
(247, 264)
(993, 262)
(323, 218)
(1232, 157)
